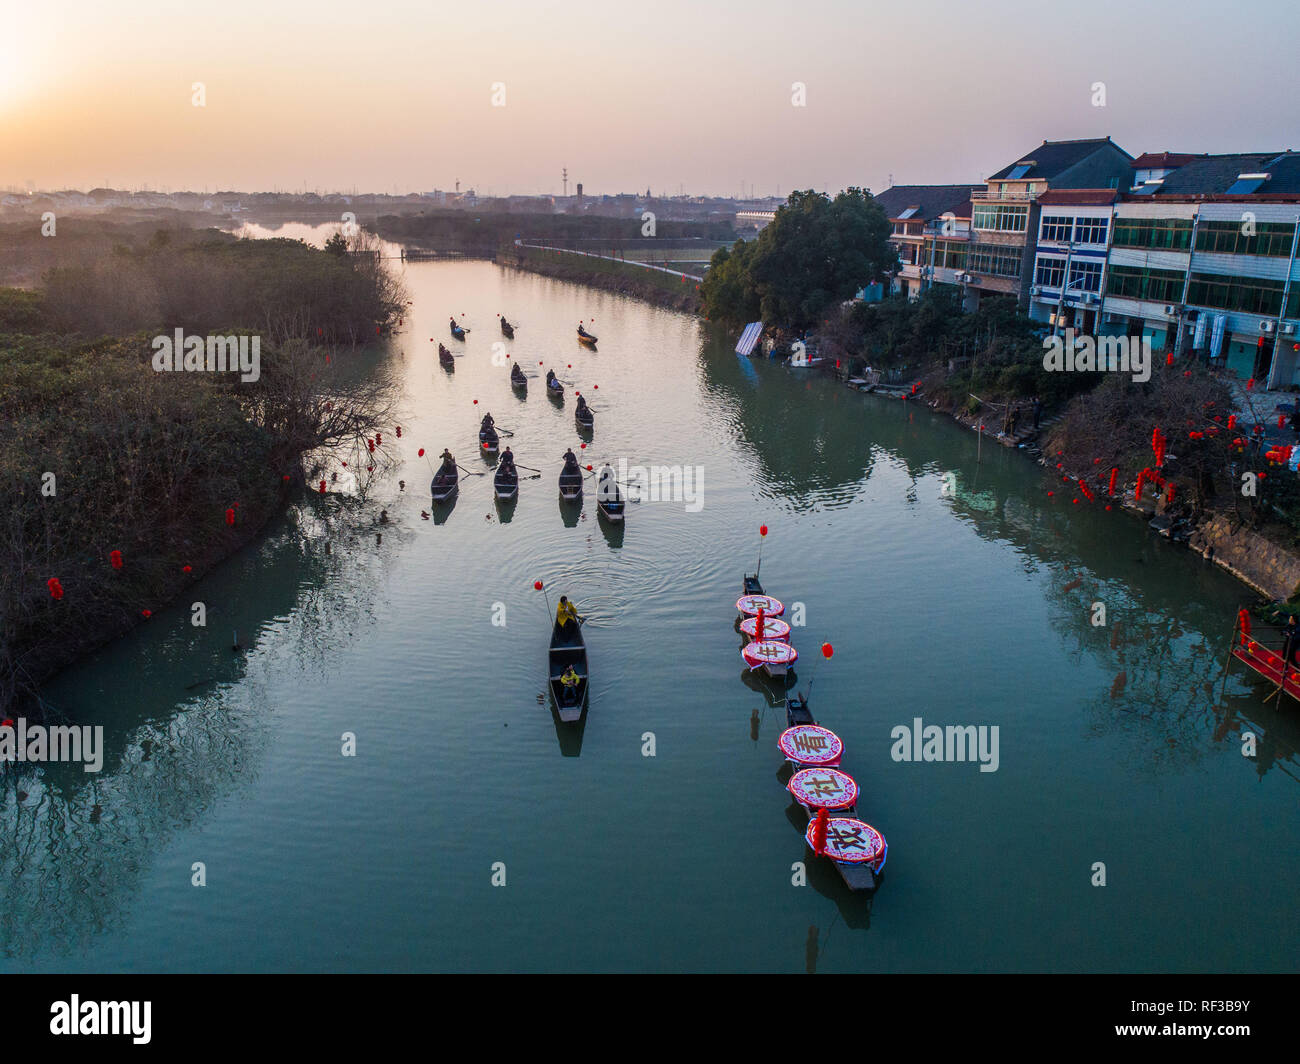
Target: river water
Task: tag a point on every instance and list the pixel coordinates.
(945, 580)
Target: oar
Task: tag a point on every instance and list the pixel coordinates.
(519, 465)
(505, 432)
(469, 472)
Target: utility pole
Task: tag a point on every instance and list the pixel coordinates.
(564, 172)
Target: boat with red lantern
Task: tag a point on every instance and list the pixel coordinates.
(773, 657)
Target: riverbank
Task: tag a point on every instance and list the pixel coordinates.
(126, 475)
(1269, 568)
(625, 278)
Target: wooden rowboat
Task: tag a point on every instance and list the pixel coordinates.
(571, 484)
(489, 440)
(507, 330)
(586, 338)
(445, 483)
(585, 418)
(506, 483)
(566, 650)
(610, 503)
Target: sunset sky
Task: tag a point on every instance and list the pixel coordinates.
(395, 95)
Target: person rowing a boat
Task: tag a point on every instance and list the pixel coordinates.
(582, 331)
(488, 423)
(551, 382)
(448, 462)
(606, 485)
(582, 408)
(516, 374)
(454, 326)
(566, 616)
(570, 459)
(570, 679)
(507, 461)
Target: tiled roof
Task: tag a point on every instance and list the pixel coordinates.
(931, 201)
(1079, 197)
(1051, 158)
(1163, 160)
(1213, 175)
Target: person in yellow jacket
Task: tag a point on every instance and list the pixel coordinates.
(570, 678)
(566, 616)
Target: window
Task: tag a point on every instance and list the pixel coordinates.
(1049, 271)
(1154, 286)
(1001, 219)
(1085, 276)
(1239, 238)
(1091, 230)
(1056, 228)
(1019, 172)
(949, 255)
(996, 260)
(1159, 234)
(1250, 295)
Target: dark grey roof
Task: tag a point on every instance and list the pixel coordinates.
(931, 201)
(1053, 157)
(1213, 175)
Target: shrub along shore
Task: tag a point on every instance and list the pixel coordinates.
(124, 484)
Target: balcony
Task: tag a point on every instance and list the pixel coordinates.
(1004, 197)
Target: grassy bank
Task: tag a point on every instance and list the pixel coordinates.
(626, 278)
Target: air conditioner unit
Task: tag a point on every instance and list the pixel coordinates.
(1268, 327)
(1171, 309)
(1035, 289)
(1288, 329)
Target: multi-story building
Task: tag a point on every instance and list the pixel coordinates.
(1005, 214)
(1203, 260)
(1070, 249)
(931, 228)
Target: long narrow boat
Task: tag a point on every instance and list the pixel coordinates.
(858, 850)
(507, 330)
(610, 503)
(457, 332)
(518, 380)
(571, 483)
(447, 359)
(445, 483)
(506, 483)
(489, 440)
(585, 418)
(555, 390)
(568, 650)
(585, 337)
(752, 585)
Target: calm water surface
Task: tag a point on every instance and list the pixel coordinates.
(949, 607)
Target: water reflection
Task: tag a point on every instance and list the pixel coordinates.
(186, 734)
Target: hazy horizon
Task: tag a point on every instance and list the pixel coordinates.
(398, 98)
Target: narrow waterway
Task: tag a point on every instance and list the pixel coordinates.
(953, 590)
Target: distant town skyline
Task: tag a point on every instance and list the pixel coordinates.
(398, 97)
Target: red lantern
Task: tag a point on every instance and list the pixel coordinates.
(399, 432)
(115, 558)
(537, 585)
(827, 650)
(322, 487)
(230, 514)
(186, 569)
(146, 614)
(421, 452)
(762, 530)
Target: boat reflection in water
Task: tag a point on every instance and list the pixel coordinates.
(442, 510)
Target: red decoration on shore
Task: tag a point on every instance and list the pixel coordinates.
(1114, 475)
(56, 588)
(186, 569)
(230, 513)
(115, 559)
(322, 487)
(146, 614)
